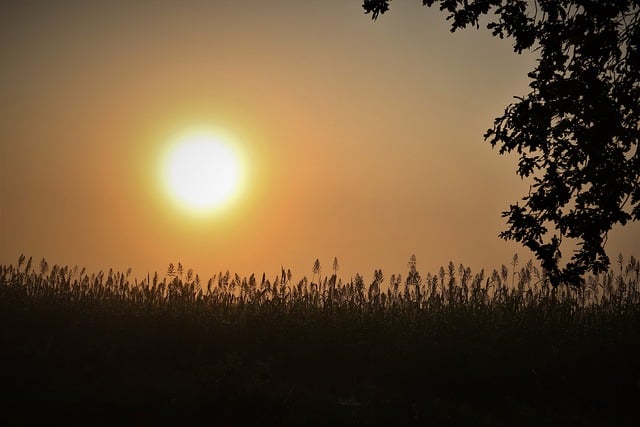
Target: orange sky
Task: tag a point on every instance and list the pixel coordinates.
(362, 140)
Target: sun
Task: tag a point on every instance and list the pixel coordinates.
(202, 171)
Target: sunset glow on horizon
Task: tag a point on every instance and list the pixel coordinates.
(336, 136)
(330, 212)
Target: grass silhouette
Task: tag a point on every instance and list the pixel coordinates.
(450, 348)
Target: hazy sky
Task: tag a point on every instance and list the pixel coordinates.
(361, 140)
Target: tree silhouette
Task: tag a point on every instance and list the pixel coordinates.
(577, 131)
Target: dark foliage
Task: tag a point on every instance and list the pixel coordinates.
(577, 131)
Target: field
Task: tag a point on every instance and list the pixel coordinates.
(450, 348)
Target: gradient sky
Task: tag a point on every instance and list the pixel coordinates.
(362, 140)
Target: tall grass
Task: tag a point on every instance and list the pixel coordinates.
(521, 291)
(421, 346)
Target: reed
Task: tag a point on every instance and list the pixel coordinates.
(418, 347)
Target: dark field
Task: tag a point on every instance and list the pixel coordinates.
(452, 348)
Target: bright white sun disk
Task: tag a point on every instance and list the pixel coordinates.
(202, 172)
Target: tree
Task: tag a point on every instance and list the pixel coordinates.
(577, 131)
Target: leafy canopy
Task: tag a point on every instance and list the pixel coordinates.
(576, 132)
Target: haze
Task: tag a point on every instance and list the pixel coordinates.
(363, 140)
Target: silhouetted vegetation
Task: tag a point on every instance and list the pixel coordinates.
(577, 131)
(449, 348)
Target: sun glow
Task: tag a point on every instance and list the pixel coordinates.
(202, 172)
